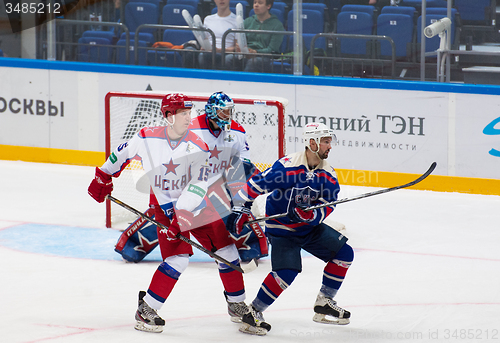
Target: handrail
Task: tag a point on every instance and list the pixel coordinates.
(99, 23)
(172, 27)
(440, 77)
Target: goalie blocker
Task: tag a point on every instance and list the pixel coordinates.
(140, 237)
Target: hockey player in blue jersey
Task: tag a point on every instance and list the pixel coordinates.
(296, 182)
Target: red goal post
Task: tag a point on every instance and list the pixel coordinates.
(126, 112)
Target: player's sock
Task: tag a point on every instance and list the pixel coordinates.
(336, 270)
(274, 284)
(162, 283)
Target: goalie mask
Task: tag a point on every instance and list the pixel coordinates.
(317, 131)
(173, 102)
(220, 108)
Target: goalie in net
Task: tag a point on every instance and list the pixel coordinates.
(176, 161)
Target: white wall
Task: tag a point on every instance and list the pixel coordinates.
(381, 125)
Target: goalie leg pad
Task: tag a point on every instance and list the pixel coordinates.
(138, 240)
(251, 243)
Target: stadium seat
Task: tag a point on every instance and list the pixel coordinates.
(475, 11)
(321, 7)
(94, 49)
(172, 14)
(279, 5)
(138, 13)
(359, 8)
(418, 3)
(143, 36)
(193, 3)
(154, 2)
(109, 35)
(360, 23)
(400, 28)
(120, 53)
(170, 58)
(408, 10)
(312, 21)
(478, 17)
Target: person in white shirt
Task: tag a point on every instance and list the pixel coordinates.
(219, 23)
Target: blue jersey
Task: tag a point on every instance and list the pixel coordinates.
(292, 184)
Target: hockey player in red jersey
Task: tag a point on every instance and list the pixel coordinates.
(176, 162)
(296, 182)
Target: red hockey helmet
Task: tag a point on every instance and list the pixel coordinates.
(174, 102)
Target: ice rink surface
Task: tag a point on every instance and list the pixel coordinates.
(426, 269)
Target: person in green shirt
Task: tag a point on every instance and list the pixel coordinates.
(262, 43)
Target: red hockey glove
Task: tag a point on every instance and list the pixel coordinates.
(101, 186)
(296, 214)
(183, 220)
(238, 217)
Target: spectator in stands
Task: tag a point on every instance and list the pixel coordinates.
(261, 43)
(219, 23)
(117, 9)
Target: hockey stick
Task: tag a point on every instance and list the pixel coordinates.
(361, 196)
(179, 236)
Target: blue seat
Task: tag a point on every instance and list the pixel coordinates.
(154, 2)
(320, 7)
(400, 28)
(441, 10)
(177, 37)
(165, 59)
(109, 35)
(418, 3)
(360, 23)
(193, 3)
(278, 13)
(279, 5)
(359, 8)
(312, 21)
(170, 58)
(143, 36)
(94, 49)
(476, 11)
(172, 14)
(120, 53)
(319, 43)
(408, 10)
(138, 13)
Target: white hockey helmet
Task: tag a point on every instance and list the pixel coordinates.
(317, 131)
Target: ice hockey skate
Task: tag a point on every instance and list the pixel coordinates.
(147, 318)
(236, 310)
(324, 307)
(253, 323)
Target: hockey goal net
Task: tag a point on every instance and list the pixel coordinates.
(127, 112)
